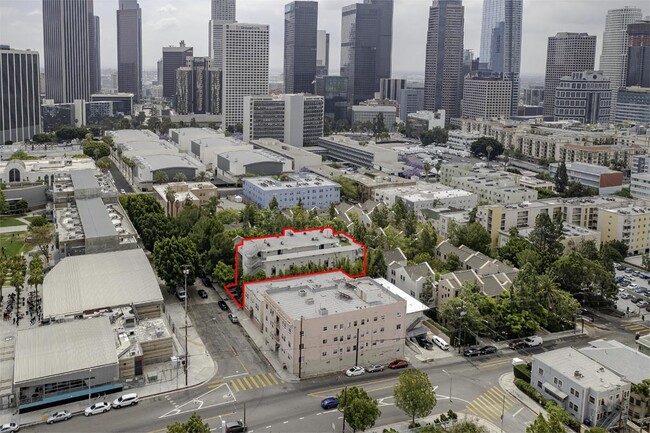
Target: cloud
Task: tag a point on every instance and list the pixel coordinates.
(168, 9)
(34, 12)
(165, 24)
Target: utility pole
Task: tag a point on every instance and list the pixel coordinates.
(356, 361)
(345, 403)
(300, 351)
(186, 271)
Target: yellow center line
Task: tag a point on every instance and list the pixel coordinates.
(204, 419)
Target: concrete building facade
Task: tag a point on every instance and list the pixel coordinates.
(311, 191)
(583, 96)
(486, 97)
(342, 148)
(640, 185)
(322, 53)
(300, 46)
(633, 104)
(198, 87)
(638, 54)
(334, 91)
(630, 224)
(366, 113)
(607, 181)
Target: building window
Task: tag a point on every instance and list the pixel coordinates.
(539, 383)
(324, 353)
(399, 327)
(336, 338)
(324, 328)
(325, 341)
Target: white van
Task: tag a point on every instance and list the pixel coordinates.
(125, 400)
(533, 341)
(440, 342)
(180, 293)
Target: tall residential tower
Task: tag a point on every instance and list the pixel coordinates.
(444, 58)
(129, 48)
(300, 41)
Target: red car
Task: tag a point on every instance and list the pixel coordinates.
(400, 363)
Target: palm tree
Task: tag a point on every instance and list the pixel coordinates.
(170, 195)
(427, 168)
(202, 176)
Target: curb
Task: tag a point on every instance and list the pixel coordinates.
(516, 394)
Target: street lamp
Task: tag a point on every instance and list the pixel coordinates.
(186, 272)
(450, 383)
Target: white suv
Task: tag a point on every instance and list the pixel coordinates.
(125, 400)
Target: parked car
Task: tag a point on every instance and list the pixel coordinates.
(126, 400)
(9, 428)
(647, 307)
(355, 371)
(533, 341)
(206, 282)
(398, 363)
(373, 368)
(472, 352)
(99, 407)
(487, 350)
(62, 415)
(423, 342)
(122, 191)
(223, 305)
(202, 294)
(518, 361)
(642, 304)
(476, 351)
(517, 344)
(180, 293)
(233, 318)
(329, 403)
(440, 342)
(235, 427)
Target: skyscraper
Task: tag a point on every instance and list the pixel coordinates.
(20, 111)
(638, 54)
(223, 12)
(300, 41)
(95, 57)
(245, 67)
(198, 87)
(322, 53)
(444, 58)
(173, 58)
(366, 47)
(590, 105)
(566, 53)
(68, 36)
(501, 38)
(613, 59)
(129, 48)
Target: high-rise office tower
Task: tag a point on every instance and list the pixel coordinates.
(613, 58)
(20, 111)
(590, 105)
(638, 54)
(300, 41)
(245, 67)
(501, 38)
(129, 48)
(389, 88)
(95, 57)
(198, 87)
(322, 53)
(223, 12)
(334, 91)
(366, 47)
(566, 53)
(486, 95)
(444, 58)
(173, 58)
(68, 36)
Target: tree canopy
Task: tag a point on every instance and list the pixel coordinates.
(359, 410)
(193, 425)
(488, 147)
(414, 394)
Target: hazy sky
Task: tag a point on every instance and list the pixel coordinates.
(166, 22)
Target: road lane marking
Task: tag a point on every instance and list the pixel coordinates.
(259, 379)
(235, 375)
(253, 381)
(362, 384)
(273, 378)
(267, 379)
(234, 385)
(215, 385)
(517, 413)
(245, 380)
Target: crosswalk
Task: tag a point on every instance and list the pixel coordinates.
(491, 404)
(637, 327)
(249, 382)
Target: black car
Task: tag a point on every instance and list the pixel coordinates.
(424, 343)
(206, 282)
(517, 344)
(203, 294)
(223, 305)
(235, 427)
(472, 352)
(487, 350)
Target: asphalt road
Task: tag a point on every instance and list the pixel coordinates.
(120, 181)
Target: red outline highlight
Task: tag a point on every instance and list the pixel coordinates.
(242, 304)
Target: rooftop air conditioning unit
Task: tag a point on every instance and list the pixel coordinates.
(302, 292)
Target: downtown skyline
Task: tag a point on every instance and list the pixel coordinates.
(165, 24)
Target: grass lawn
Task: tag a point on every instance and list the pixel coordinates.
(13, 245)
(9, 222)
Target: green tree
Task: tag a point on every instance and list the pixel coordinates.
(414, 394)
(152, 228)
(193, 425)
(510, 251)
(547, 235)
(180, 177)
(380, 216)
(348, 188)
(619, 246)
(96, 149)
(410, 224)
(41, 237)
(376, 264)
(43, 138)
(4, 206)
(201, 176)
(104, 164)
(273, 205)
(378, 125)
(22, 206)
(436, 135)
(561, 178)
(597, 430)
(453, 263)
(488, 147)
(472, 235)
(223, 274)
(160, 176)
(467, 427)
(399, 211)
(169, 257)
(645, 261)
(426, 295)
(36, 273)
(38, 221)
(359, 410)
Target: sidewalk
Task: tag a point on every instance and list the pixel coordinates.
(403, 427)
(201, 368)
(506, 382)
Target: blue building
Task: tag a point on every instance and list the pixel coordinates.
(313, 191)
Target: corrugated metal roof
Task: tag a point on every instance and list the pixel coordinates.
(96, 281)
(62, 348)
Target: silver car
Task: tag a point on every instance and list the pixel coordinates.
(62, 415)
(372, 368)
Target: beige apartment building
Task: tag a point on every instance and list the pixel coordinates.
(322, 323)
(195, 193)
(630, 224)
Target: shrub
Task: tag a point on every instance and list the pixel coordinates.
(530, 391)
(522, 372)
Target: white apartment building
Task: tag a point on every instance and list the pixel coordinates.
(408, 278)
(573, 236)
(584, 388)
(640, 185)
(310, 190)
(273, 254)
(295, 119)
(368, 113)
(630, 224)
(425, 196)
(323, 323)
(424, 120)
(461, 140)
(640, 164)
(245, 67)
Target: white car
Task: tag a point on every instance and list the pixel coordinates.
(100, 407)
(62, 415)
(9, 428)
(440, 342)
(355, 371)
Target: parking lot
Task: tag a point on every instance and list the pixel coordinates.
(634, 291)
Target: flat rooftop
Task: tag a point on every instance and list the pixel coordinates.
(162, 162)
(568, 230)
(96, 281)
(280, 147)
(610, 201)
(621, 359)
(290, 239)
(629, 210)
(369, 178)
(296, 181)
(342, 140)
(586, 168)
(61, 348)
(130, 135)
(252, 156)
(567, 361)
(325, 294)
